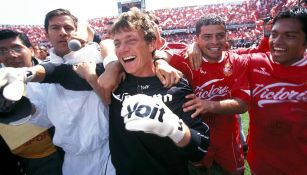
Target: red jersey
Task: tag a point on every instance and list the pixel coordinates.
(217, 81)
(277, 136)
(225, 79)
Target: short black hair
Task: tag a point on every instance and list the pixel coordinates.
(59, 12)
(210, 19)
(298, 13)
(7, 34)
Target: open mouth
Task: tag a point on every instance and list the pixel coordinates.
(214, 49)
(279, 51)
(128, 59)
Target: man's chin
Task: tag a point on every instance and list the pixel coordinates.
(62, 51)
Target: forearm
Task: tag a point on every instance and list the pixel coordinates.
(107, 51)
(64, 75)
(39, 72)
(92, 81)
(186, 139)
(228, 107)
(162, 54)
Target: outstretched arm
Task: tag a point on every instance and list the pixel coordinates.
(223, 107)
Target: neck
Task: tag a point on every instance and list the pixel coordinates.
(148, 72)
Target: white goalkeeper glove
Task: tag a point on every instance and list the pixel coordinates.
(13, 81)
(151, 115)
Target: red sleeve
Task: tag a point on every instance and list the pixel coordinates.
(241, 88)
(182, 64)
(263, 47)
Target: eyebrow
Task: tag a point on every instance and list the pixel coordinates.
(214, 33)
(289, 31)
(13, 45)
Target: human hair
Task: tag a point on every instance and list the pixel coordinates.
(210, 19)
(59, 12)
(134, 19)
(7, 34)
(298, 13)
(152, 17)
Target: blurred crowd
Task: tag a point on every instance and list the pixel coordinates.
(244, 21)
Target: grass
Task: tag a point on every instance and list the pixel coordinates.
(215, 171)
(245, 123)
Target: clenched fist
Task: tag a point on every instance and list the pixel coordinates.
(151, 115)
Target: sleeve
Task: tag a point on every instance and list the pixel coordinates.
(199, 142)
(65, 76)
(263, 47)
(178, 62)
(240, 88)
(37, 94)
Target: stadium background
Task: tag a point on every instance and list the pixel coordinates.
(244, 19)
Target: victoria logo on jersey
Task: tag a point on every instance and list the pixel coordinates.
(279, 93)
(261, 70)
(212, 89)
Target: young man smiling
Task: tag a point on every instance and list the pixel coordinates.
(277, 80)
(150, 134)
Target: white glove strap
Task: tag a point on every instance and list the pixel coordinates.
(109, 59)
(178, 134)
(29, 75)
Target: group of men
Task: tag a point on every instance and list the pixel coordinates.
(154, 129)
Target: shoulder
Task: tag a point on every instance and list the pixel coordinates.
(182, 88)
(259, 58)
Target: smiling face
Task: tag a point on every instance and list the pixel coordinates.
(287, 41)
(18, 55)
(60, 29)
(133, 52)
(212, 41)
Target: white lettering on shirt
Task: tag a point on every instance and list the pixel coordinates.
(278, 93)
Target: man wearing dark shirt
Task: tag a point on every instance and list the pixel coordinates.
(149, 132)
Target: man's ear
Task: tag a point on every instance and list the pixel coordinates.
(196, 38)
(47, 35)
(32, 51)
(152, 46)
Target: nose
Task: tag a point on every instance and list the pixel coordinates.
(278, 39)
(214, 39)
(63, 31)
(122, 50)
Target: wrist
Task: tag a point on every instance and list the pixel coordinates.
(179, 132)
(156, 60)
(108, 59)
(29, 75)
(185, 140)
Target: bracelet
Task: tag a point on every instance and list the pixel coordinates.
(156, 59)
